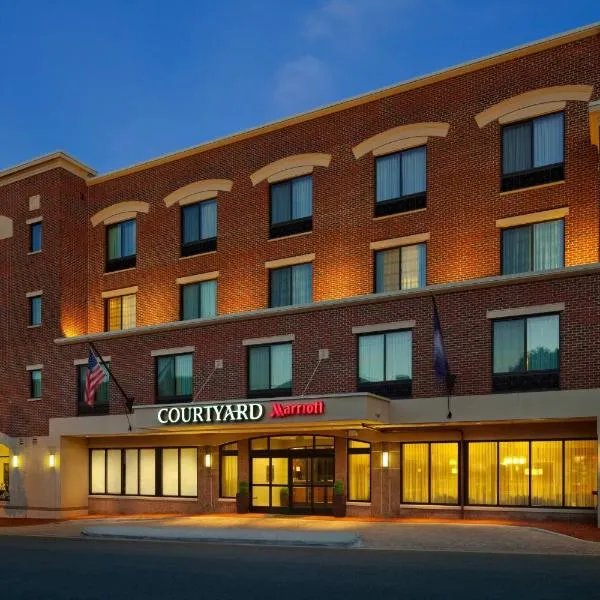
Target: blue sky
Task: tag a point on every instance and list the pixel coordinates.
(115, 82)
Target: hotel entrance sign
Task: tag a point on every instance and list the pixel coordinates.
(211, 413)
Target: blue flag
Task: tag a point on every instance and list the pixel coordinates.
(440, 360)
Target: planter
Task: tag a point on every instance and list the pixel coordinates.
(242, 503)
(339, 505)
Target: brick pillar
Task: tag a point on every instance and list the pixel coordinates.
(598, 470)
(341, 461)
(385, 481)
(244, 461)
(206, 496)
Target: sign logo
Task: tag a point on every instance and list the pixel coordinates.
(279, 411)
(211, 413)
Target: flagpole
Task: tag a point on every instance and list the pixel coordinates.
(128, 400)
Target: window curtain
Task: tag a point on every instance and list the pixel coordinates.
(128, 238)
(359, 477)
(514, 473)
(509, 345)
(114, 313)
(114, 242)
(208, 299)
(188, 467)
(208, 220)
(483, 469)
(546, 474)
(414, 171)
(542, 343)
(370, 358)
(281, 287)
(183, 375)
(415, 473)
(548, 140)
(191, 301)
(444, 473)
(36, 310)
(148, 472)
(131, 472)
(302, 284)
(581, 473)
(113, 471)
(191, 224)
(36, 384)
(302, 197)
(388, 177)
(281, 210)
(387, 270)
(165, 367)
(170, 472)
(516, 148)
(398, 355)
(548, 251)
(129, 309)
(413, 267)
(258, 365)
(516, 250)
(281, 366)
(229, 476)
(98, 472)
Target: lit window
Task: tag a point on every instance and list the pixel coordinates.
(229, 470)
(199, 300)
(359, 471)
(291, 285)
(35, 310)
(35, 237)
(199, 228)
(121, 245)
(270, 370)
(400, 268)
(120, 312)
(174, 378)
(291, 206)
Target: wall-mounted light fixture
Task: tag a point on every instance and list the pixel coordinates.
(52, 459)
(15, 461)
(208, 459)
(385, 459)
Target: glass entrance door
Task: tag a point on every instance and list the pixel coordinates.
(270, 484)
(312, 484)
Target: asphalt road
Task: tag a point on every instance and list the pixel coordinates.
(65, 569)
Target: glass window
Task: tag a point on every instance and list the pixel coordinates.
(35, 310)
(546, 473)
(35, 383)
(199, 300)
(132, 472)
(291, 285)
(228, 470)
(400, 268)
(444, 473)
(534, 247)
(401, 174)
(532, 144)
(100, 396)
(97, 471)
(291, 200)
(121, 245)
(199, 227)
(174, 377)
(385, 357)
(359, 471)
(483, 473)
(147, 469)
(170, 472)
(513, 473)
(415, 473)
(270, 368)
(120, 312)
(113, 471)
(581, 473)
(35, 237)
(526, 345)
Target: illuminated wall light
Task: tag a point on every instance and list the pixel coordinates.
(52, 460)
(385, 459)
(15, 461)
(207, 460)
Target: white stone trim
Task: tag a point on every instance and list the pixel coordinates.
(169, 351)
(287, 262)
(407, 240)
(526, 310)
(34, 367)
(385, 327)
(537, 217)
(274, 339)
(120, 292)
(197, 278)
(529, 112)
(34, 202)
(33, 220)
(84, 361)
(34, 294)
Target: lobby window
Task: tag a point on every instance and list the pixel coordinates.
(35, 310)
(228, 469)
(401, 181)
(359, 471)
(120, 245)
(533, 152)
(35, 237)
(120, 312)
(270, 370)
(430, 473)
(199, 228)
(179, 472)
(35, 384)
(385, 363)
(526, 353)
(534, 247)
(199, 300)
(401, 268)
(538, 473)
(174, 378)
(291, 206)
(290, 285)
(101, 403)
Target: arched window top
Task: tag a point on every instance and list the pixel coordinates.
(400, 138)
(6, 228)
(291, 166)
(122, 211)
(197, 191)
(533, 103)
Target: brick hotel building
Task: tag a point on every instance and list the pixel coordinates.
(265, 303)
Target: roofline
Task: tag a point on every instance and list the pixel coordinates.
(409, 84)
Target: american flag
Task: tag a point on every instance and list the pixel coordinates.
(95, 376)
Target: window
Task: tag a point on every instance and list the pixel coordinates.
(120, 245)
(534, 247)
(385, 363)
(199, 300)
(532, 152)
(199, 228)
(174, 378)
(539, 473)
(35, 237)
(101, 404)
(430, 473)
(144, 472)
(526, 353)
(228, 458)
(120, 312)
(35, 383)
(35, 310)
(270, 370)
(291, 206)
(400, 268)
(359, 471)
(291, 285)
(401, 181)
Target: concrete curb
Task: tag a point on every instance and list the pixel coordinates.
(278, 537)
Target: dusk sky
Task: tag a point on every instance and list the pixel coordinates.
(116, 82)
